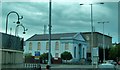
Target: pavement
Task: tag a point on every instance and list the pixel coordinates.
(72, 66)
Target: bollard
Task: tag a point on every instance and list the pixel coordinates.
(47, 67)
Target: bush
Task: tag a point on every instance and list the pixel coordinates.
(66, 55)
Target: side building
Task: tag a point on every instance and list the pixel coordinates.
(11, 49)
(97, 41)
(71, 42)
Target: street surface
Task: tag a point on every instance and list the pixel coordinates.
(56, 66)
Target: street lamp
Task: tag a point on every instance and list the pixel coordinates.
(18, 22)
(49, 54)
(103, 40)
(91, 5)
(16, 29)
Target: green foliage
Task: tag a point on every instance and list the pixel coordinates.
(44, 57)
(66, 55)
(114, 52)
(28, 55)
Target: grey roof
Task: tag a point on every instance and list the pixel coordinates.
(84, 33)
(39, 37)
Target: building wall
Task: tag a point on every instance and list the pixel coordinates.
(72, 45)
(43, 47)
(97, 40)
(107, 41)
(12, 57)
(11, 50)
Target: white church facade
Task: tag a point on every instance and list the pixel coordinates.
(71, 42)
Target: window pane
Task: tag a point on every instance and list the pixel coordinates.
(57, 46)
(66, 46)
(30, 46)
(47, 45)
(39, 46)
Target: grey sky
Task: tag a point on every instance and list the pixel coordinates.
(66, 17)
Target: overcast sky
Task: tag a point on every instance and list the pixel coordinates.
(67, 17)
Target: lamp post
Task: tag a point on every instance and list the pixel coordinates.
(103, 40)
(49, 54)
(18, 22)
(16, 29)
(91, 17)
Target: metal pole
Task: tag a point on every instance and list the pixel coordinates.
(7, 19)
(49, 59)
(103, 43)
(91, 31)
(16, 29)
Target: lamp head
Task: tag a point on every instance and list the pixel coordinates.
(23, 32)
(81, 4)
(101, 3)
(18, 22)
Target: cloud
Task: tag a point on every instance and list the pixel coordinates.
(66, 17)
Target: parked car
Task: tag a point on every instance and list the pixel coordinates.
(112, 62)
(106, 65)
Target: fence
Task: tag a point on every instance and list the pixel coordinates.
(29, 65)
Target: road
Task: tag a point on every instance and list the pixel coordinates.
(57, 66)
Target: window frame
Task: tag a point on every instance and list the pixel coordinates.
(66, 46)
(56, 45)
(30, 45)
(39, 46)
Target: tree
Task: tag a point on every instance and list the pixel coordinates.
(66, 56)
(44, 57)
(28, 55)
(114, 52)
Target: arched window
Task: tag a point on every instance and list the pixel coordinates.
(30, 46)
(57, 46)
(66, 46)
(39, 46)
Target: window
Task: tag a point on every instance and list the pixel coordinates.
(47, 45)
(74, 52)
(57, 46)
(39, 46)
(66, 46)
(56, 54)
(30, 46)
